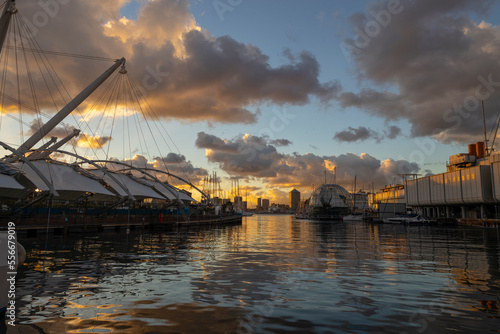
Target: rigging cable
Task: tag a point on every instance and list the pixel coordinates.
(53, 74)
(173, 142)
(148, 110)
(496, 132)
(63, 54)
(18, 84)
(44, 62)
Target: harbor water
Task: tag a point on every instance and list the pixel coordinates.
(272, 274)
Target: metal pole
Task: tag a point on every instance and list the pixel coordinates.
(57, 145)
(61, 115)
(484, 126)
(43, 147)
(8, 10)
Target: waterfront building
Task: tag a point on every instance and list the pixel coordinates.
(294, 199)
(331, 201)
(360, 200)
(259, 202)
(265, 204)
(389, 202)
(470, 188)
(237, 200)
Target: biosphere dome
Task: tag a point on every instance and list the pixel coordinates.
(331, 200)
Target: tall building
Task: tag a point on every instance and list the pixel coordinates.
(259, 202)
(265, 204)
(294, 199)
(237, 200)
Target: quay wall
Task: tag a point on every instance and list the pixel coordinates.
(39, 224)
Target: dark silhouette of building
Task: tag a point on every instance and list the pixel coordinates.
(294, 199)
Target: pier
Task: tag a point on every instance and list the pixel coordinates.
(92, 224)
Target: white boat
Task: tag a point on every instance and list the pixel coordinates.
(410, 218)
(243, 213)
(302, 216)
(353, 218)
(5, 267)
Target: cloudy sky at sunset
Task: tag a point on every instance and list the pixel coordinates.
(276, 92)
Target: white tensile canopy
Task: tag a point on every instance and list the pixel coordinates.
(66, 181)
(182, 194)
(10, 188)
(136, 189)
(169, 191)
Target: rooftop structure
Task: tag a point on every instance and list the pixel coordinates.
(332, 201)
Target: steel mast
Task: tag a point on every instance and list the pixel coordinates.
(61, 115)
(8, 11)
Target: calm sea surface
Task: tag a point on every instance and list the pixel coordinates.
(272, 274)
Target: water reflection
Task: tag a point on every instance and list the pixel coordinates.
(272, 274)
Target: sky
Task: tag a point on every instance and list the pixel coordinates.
(275, 93)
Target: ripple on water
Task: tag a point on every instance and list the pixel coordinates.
(272, 274)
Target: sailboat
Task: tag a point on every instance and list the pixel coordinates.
(238, 209)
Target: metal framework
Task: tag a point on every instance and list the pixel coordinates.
(47, 182)
(24, 159)
(155, 170)
(181, 179)
(143, 172)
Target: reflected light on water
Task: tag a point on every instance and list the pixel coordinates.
(272, 274)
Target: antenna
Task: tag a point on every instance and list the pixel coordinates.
(496, 132)
(484, 126)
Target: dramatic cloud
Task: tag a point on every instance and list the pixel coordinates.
(249, 188)
(392, 132)
(184, 71)
(432, 62)
(247, 155)
(183, 168)
(362, 133)
(87, 141)
(83, 140)
(172, 158)
(281, 142)
(59, 131)
(352, 134)
(254, 157)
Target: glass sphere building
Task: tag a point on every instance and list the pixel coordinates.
(331, 201)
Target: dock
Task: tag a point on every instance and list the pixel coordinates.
(89, 224)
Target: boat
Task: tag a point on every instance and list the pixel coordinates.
(6, 269)
(246, 214)
(353, 218)
(411, 218)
